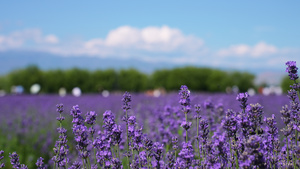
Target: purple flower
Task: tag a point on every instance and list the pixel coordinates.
(186, 125)
(126, 101)
(254, 112)
(61, 148)
(148, 144)
(171, 160)
(14, 160)
(81, 132)
(198, 110)
(116, 163)
(203, 133)
(158, 154)
(230, 123)
(2, 165)
(286, 114)
(76, 165)
(185, 101)
(292, 70)
(242, 98)
(254, 153)
(40, 163)
(174, 142)
(208, 105)
(90, 117)
(186, 154)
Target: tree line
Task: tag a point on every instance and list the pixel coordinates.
(197, 79)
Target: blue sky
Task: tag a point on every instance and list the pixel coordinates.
(243, 35)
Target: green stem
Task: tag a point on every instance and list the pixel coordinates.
(139, 159)
(60, 125)
(95, 159)
(128, 162)
(112, 151)
(287, 151)
(203, 152)
(296, 135)
(118, 150)
(148, 161)
(236, 158)
(88, 162)
(230, 147)
(83, 163)
(198, 139)
(127, 140)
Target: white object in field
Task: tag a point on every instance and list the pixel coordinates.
(156, 93)
(35, 88)
(272, 90)
(228, 90)
(105, 93)
(76, 92)
(278, 90)
(2, 93)
(235, 89)
(251, 92)
(266, 91)
(62, 92)
(17, 89)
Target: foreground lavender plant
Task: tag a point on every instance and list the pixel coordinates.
(91, 119)
(81, 136)
(198, 116)
(61, 147)
(126, 106)
(186, 107)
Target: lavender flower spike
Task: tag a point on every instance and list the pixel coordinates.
(126, 100)
(40, 163)
(292, 70)
(2, 165)
(185, 98)
(242, 98)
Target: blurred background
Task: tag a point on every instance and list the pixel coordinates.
(65, 47)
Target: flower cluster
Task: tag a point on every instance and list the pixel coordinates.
(292, 69)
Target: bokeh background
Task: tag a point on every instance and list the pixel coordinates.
(254, 37)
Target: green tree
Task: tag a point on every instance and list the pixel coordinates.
(104, 80)
(285, 83)
(78, 78)
(53, 80)
(132, 80)
(26, 77)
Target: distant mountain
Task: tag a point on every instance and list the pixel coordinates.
(19, 59)
(12, 60)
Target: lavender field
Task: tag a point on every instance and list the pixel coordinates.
(131, 130)
(28, 123)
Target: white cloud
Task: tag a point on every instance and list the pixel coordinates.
(20, 39)
(51, 39)
(153, 39)
(259, 50)
(151, 44)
